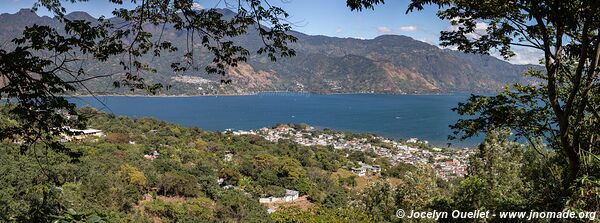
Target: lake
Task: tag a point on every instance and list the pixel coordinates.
(395, 116)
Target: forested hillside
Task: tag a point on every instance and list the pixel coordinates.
(144, 170)
(386, 64)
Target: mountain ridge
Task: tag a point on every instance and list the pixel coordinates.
(393, 64)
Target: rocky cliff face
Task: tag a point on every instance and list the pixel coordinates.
(386, 64)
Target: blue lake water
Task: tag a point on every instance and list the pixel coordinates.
(395, 116)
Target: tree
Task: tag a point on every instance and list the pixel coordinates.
(417, 189)
(378, 201)
(174, 183)
(235, 206)
(563, 106)
(36, 84)
(117, 137)
(336, 215)
(131, 175)
(45, 64)
(495, 180)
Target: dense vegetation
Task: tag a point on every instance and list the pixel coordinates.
(110, 180)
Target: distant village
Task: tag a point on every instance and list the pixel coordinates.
(447, 163)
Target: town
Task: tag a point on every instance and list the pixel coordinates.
(447, 163)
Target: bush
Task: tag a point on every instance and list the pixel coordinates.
(345, 215)
(174, 183)
(132, 175)
(274, 191)
(193, 210)
(398, 170)
(117, 137)
(165, 209)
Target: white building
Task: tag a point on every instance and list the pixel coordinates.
(290, 195)
(364, 169)
(359, 171)
(79, 134)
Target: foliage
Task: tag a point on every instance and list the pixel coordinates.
(44, 180)
(561, 106)
(417, 189)
(297, 215)
(173, 183)
(398, 170)
(503, 177)
(132, 176)
(235, 206)
(197, 209)
(496, 169)
(114, 181)
(73, 216)
(378, 200)
(117, 137)
(36, 84)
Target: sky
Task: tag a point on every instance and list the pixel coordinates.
(320, 17)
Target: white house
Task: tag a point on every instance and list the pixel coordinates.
(364, 169)
(412, 140)
(359, 171)
(375, 169)
(290, 195)
(79, 134)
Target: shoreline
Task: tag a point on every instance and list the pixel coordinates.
(104, 98)
(272, 93)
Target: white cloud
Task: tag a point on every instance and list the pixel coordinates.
(480, 29)
(197, 6)
(384, 29)
(339, 30)
(481, 26)
(408, 28)
(524, 55)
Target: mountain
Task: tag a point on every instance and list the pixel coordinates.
(386, 64)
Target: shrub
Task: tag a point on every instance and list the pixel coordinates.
(175, 183)
(117, 137)
(132, 175)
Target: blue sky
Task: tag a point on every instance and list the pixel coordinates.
(319, 17)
